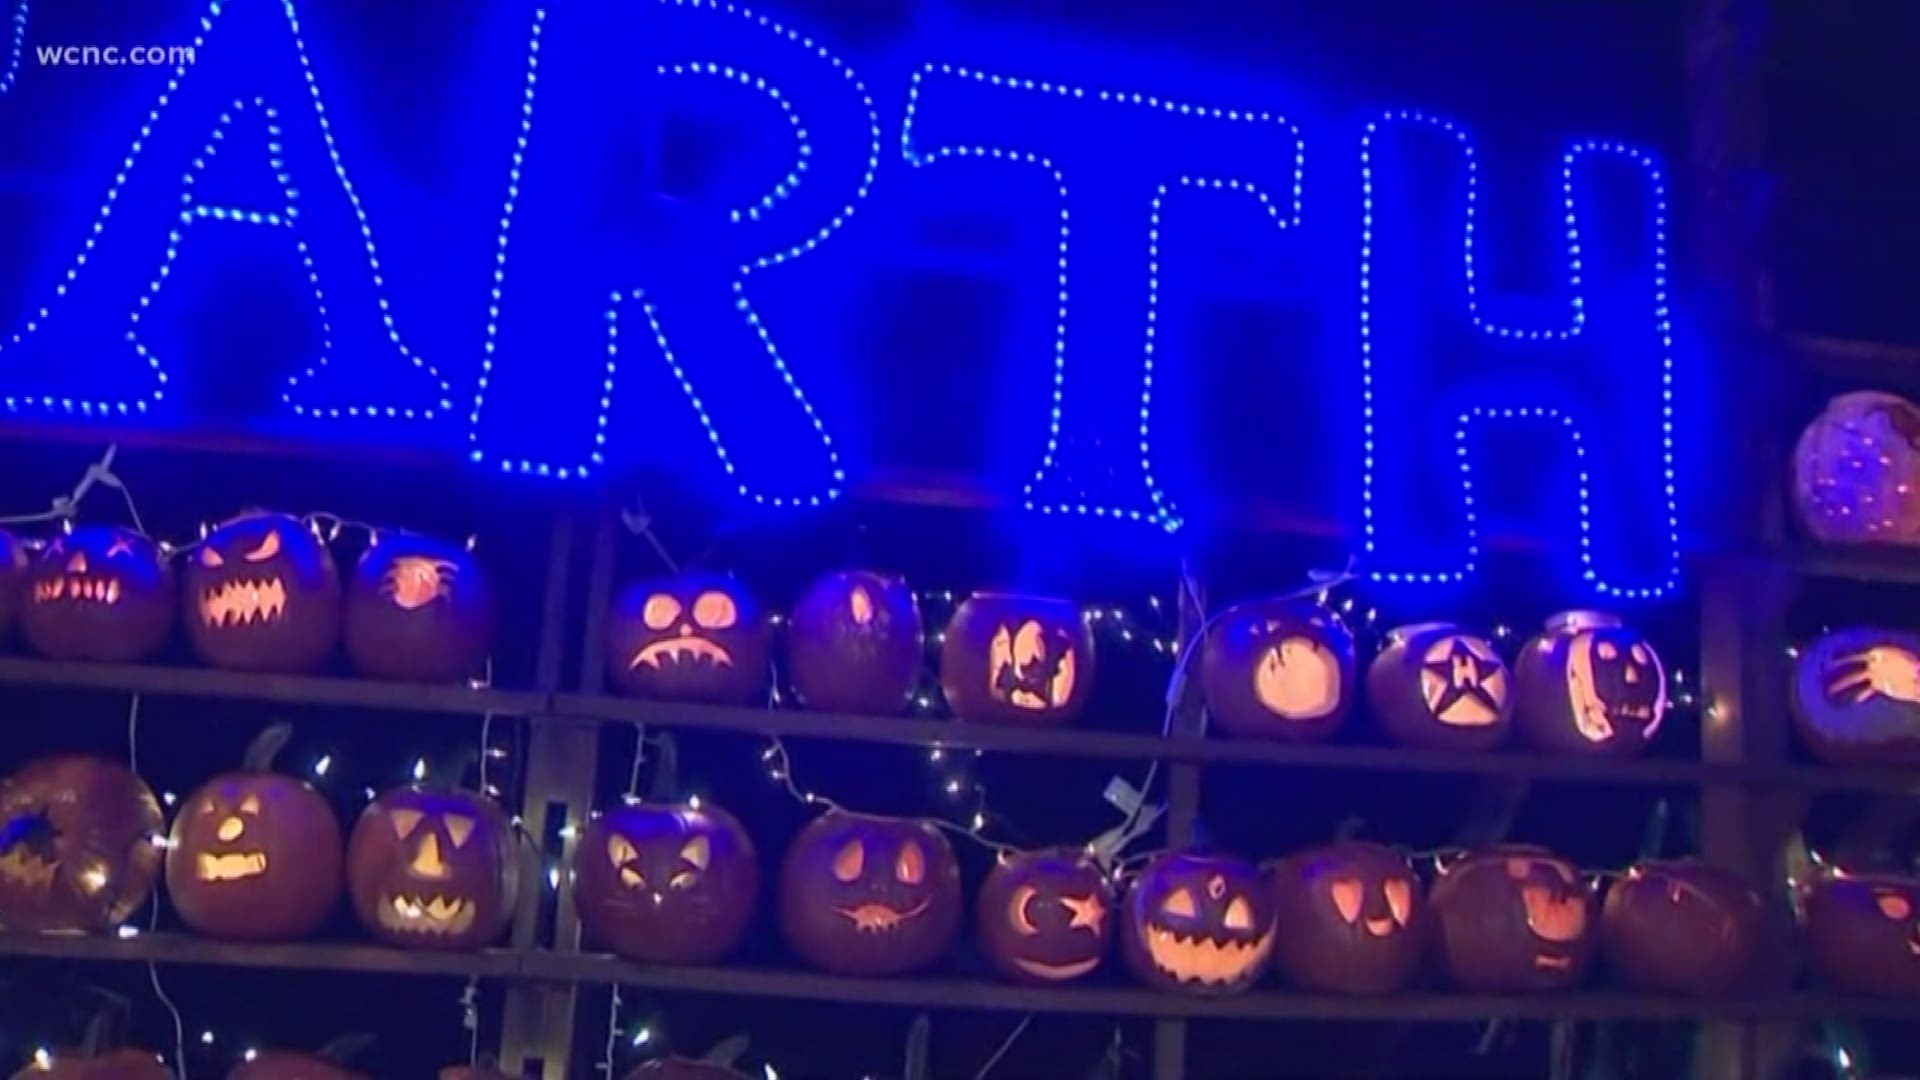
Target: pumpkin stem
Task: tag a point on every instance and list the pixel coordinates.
(665, 783)
(726, 1051)
(104, 1029)
(344, 1049)
(266, 746)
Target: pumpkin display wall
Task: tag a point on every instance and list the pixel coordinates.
(1588, 684)
(666, 884)
(1856, 471)
(13, 568)
(1680, 928)
(255, 855)
(1856, 697)
(1278, 669)
(431, 868)
(99, 593)
(1042, 916)
(79, 845)
(1862, 932)
(263, 594)
(1441, 687)
(855, 644)
(418, 610)
(1198, 923)
(1513, 919)
(1352, 918)
(697, 637)
(869, 896)
(1017, 660)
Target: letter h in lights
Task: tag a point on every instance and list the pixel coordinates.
(1578, 382)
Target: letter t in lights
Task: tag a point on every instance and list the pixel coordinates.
(1115, 158)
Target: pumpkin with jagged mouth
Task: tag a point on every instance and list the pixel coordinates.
(691, 638)
(263, 594)
(869, 896)
(1514, 918)
(433, 869)
(1199, 924)
(99, 593)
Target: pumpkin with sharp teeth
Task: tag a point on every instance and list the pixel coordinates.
(1513, 919)
(1017, 660)
(869, 896)
(1589, 684)
(1863, 932)
(99, 593)
(432, 868)
(854, 644)
(419, 610)
(666, 884)
(697, 638)
(80, 845)
(1353, 919)
(263, 595)
(1681, 928)
(1043, 916)
(1198, 923)
(1277, 669)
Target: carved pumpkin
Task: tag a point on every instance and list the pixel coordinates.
(79, 845)
(287, 1065)
(263, 594)
(854, 644)
(1856, 697)
(1352, 917)
(1513, 918)
(100, 593)
(1588, 684)
(1279, 669)
(869, 896)
(13, 570)
(666, 884)
(255, 855)
(1441, 687)
(1863, 932)
(419, 610)
(696, 637)
(1856, 471)
(1198, 923)
(1681, 928)
(1043, 915)
(431, 868)
(112, 1065)
(1018, 660)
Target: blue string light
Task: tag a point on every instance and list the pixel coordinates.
(803, 154)
(16, 48)
(1573, 326)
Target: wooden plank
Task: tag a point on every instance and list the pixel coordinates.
(182, 949)
(348, 693)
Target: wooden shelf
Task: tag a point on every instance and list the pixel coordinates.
(1882, 564)
(276, 689)
(166, 948)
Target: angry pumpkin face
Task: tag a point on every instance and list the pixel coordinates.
(1018, 660)
(666, 884)
(869, 896)
(79, 845)
(1355, 916)
(263, 594)
(1043, 916)
(1277, 669)
(1198, 924)
(691, 638)
(99, 593)
(433, 869)
(1514, 919)
(1590, 684)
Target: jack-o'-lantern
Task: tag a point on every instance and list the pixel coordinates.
(1280, 669)
(13, 568)
(80, 842)
(1438, 686)
(128, 1064)
(98, 593)
(418, 610)
(1590, 684)
(431, 868)
(854, 644)
(1020, 660)
(1856, 696)
(666, 884)
(1043, 915)
(1513, 918)
(1680, 928)
(1856, 471)
(1198, 923)
(1352, 918)
(1863, 932)
(869, 896)
(255, 855)
(263, 594)
(696, 637)
(287, 1065)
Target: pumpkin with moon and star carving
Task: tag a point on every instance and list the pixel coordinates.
(1043, 915)
(434, 868)
(1277, 669)
(99, 593)
(1681, 927)
(80, 842)
(693, 638)
(1856, 697)
(418, 610)
(1589, 684)
(664, 883)
(263, 594)
(869, 896)
(255, 855)
(1862, 931)
(1513, 919)
(1198, 923)
(1438, 686)
(1017, 660)
(854, 644)
(1352, 919)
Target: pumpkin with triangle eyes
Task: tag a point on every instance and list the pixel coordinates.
(99, 593)
(869, 896)
(1353, 919)
(433, 868)
(80, 841)
(1277, 669)
(1589, 684)
(854, 644)
(666, 883)
(1863, 932)
(1043, 915)
(1513, 919)
(263, 594)
(696, 638)
(1681, 927)
(1438, 686)
(418, 610)
(1198, 923)
(1017, 660)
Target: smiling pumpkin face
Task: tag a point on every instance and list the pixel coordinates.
(263, 594)
(869, 896)
(1863, 932)
(666, 884)
(1043, 916)
(102, 594)
(697, 638)
(433, 869)
(1355, 918)
(1280, 669)
(1512, 919)
(1198, 924)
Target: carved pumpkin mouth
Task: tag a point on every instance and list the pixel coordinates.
(1556, 919)
(1381, 927)
(236, 866)
(426, 915)
(77, 587)
(1056, 972)
(1028, 671)
(878, 918)
(1204, 959)
(241, 602)
(1553, 963)
(686, 650)
(22, 866)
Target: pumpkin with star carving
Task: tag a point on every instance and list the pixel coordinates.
(1043, 915)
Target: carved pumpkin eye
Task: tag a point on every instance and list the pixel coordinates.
(631, 877)
(210, 558)
(620, 850)
(1607, 650)
(459, 829)
(405, 821)
(660, 611)
(1517, 869)
(250, 805)
(1347, 895)
(1239, 915)
(850, 862)
(715, 611)
(1400, 900)
(121, 546)
(77, 564)
(268, 548)
(1180, 905)
(697, 852)
(1893, 905)
(860, 606)
(911, 867)
(1640, 654)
